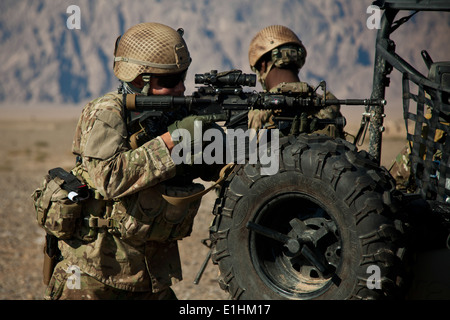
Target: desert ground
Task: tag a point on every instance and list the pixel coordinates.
(35, 140)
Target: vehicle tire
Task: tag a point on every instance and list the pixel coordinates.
(336, 200)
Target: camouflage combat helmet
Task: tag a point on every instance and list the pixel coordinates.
(282, 42)
(151, 48)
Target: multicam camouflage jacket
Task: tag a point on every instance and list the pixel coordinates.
(129, 237)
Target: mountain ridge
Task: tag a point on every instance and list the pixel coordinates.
(45, 62)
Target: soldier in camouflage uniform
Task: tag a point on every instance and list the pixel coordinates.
(276, 55)
(126, 247)
(401, 167)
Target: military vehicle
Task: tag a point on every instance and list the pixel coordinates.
(332, 224)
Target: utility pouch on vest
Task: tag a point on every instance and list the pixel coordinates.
(148, 217)
(57, 203)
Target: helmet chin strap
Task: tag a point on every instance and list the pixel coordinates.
(130, 88)
(146, 88)
(262, 76)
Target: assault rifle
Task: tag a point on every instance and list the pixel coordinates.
(223, 93)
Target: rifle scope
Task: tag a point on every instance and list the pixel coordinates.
(229, 78)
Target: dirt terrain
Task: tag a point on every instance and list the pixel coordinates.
(34, 141)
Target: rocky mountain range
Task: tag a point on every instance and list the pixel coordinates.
(44, 61)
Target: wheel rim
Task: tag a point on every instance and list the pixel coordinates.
(282, 267)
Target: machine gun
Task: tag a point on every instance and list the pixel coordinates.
(223, 93)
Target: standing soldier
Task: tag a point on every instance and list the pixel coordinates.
(276, 55)
(126, 244)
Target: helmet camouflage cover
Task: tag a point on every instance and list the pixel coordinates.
(150, 48)
(290, 48)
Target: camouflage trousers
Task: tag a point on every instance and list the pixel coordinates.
(63, 286)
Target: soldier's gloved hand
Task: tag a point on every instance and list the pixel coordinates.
(193, 123)
(307, 124)
(189, 132)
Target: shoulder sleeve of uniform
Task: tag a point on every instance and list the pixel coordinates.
(107, 135)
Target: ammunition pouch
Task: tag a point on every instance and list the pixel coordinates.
(147, 216)
(56, 213)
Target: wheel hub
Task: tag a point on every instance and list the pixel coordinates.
(303, 257)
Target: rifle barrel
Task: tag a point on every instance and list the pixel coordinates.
(356, 102)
